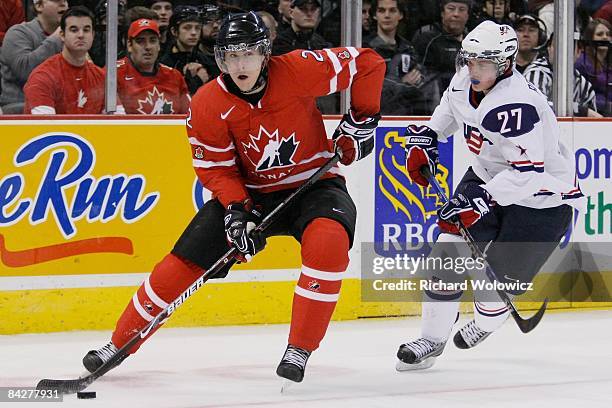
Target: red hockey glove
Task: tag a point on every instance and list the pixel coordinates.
(355, 139)
(468, 206)
(240, 221)
(421, 150)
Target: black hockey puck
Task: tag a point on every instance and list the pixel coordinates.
(86, 395)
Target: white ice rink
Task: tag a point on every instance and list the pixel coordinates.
(565, 362)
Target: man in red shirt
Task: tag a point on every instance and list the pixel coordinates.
(256, 135)
(68, 83)
(146, 86)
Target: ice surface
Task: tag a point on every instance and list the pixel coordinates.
(565, 362)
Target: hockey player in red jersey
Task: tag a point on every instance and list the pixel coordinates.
(256, 135)
(144, 85)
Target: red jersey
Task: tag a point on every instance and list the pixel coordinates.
(163, 91)
(56, 86)
(280, 142)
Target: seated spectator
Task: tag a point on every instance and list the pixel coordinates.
(284, 14)
(402, 93)
(532, 37)
(11, 13)
(67, 83)
(270, 22)
(366, 19)
(211, 21)
(25, 47)
(385, 40)
(145, 86)
(593, 62)
(98, 48)
(301, 35)
(438, 44)
(163, 8)
(540, 73)
(497, 11)
(197, 68)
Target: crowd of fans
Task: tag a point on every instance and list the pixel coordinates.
(53, 52)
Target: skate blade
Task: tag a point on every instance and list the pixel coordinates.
(428, 362)
(285, 386)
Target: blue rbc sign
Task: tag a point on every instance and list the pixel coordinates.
(405, 213)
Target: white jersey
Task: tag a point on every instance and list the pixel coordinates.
(514, 137)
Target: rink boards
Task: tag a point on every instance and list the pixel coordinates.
(87, 207)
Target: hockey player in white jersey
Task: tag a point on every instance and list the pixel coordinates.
(517, 189)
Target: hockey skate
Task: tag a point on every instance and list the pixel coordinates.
(470, 335)
(418, 355)
(95, 358)
(293, 364)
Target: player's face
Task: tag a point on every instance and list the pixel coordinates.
(144, 50)
(51, 10)
(306, 16)
(527, 37)
(454, 17)
(483, 73)
(164, 12)
(189, 33)
(244, 67)
(78, 35)
(388, 15)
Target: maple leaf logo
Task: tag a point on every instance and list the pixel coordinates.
(275, 151)
(155, 103)
(82, 99)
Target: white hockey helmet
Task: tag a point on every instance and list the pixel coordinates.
(490, 41)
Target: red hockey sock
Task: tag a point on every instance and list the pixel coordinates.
(169, 279)
(325, 246)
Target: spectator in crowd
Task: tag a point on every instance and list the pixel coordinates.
(98, 48)
(366, 19)
(67, 83)
(532, 38)
(593, 62)
(385, 40)
(211, 20)
(163, 8)
(186, 29)
(305, 15)
(540, 73)
(26, 46)
(11, 13)
(605, 12)
(284, 14)
(145, 86)
(402, 93)
(330, 26)
(497, 11)
(270, 22)
(438, 44)
(545, 11)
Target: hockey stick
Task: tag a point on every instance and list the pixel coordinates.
(526, 325)
(79, 384)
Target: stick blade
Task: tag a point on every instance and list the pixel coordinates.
(64, 386)
(527, 325)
